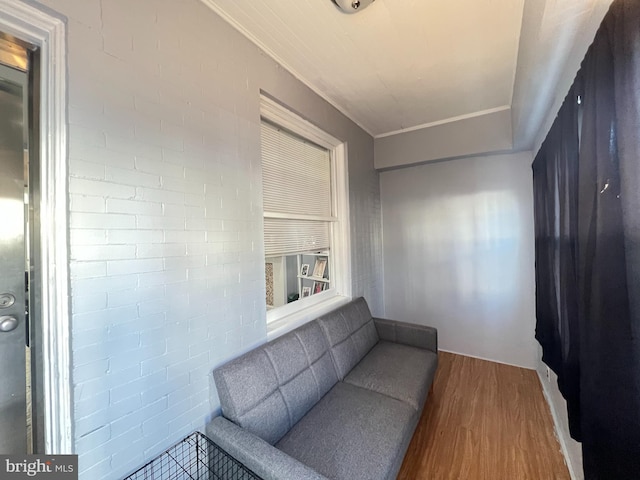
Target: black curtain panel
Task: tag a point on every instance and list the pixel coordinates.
(556, 212)
(610, 342)
(544, 194)
(587, 212)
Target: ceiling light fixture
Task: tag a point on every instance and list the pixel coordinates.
(352, 6)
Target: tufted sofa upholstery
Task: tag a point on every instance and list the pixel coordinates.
(337, 398)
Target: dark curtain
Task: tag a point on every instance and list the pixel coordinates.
(587, 201)
(610, 342)
(556, 210)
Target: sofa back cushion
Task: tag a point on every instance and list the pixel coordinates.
(269, 389)
(351, 334)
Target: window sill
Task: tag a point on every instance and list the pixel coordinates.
(282, 324)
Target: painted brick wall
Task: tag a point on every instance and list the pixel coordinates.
(165, 216)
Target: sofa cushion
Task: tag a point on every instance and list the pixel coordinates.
(352, 433)
(273, 386)
(351, 334)
(398, 371)
(304, 369)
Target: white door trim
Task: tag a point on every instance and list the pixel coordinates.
(27, 23)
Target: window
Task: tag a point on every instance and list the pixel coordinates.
(306, 234)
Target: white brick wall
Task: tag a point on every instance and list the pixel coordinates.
(166, 217)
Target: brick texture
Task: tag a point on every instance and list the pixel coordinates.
(167, 265)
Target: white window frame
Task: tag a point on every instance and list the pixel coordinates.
(287, 317)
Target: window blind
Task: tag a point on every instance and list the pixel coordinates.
(285, 236)
(296, 181)
(296, 174)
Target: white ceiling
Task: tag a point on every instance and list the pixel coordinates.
(407, 64)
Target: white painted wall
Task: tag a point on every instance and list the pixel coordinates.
(167, 267)
(459, 254)
(561, 76)
(490, 132)
(554, 38)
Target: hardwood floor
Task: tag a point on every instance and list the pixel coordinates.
(484, 420)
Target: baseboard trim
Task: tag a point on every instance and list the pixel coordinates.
(558, 432)
(486, 359)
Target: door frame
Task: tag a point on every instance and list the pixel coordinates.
(29, 24)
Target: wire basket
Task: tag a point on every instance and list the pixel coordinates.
(194, 458)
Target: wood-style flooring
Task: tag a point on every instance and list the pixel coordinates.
(484, 420)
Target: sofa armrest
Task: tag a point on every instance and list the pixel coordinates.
(411, 334)
(262, 458)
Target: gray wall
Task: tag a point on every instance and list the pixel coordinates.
(490, 132)
(459, 253)
(167, 269)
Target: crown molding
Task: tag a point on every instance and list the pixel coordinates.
(466, 116)
(283, 63)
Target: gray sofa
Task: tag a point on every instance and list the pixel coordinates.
(337, 398)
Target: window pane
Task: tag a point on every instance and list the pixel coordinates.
(290, 278)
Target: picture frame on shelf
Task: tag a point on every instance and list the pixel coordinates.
(306, 292)
(304, 270)
(318, 287)
(320, 267)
